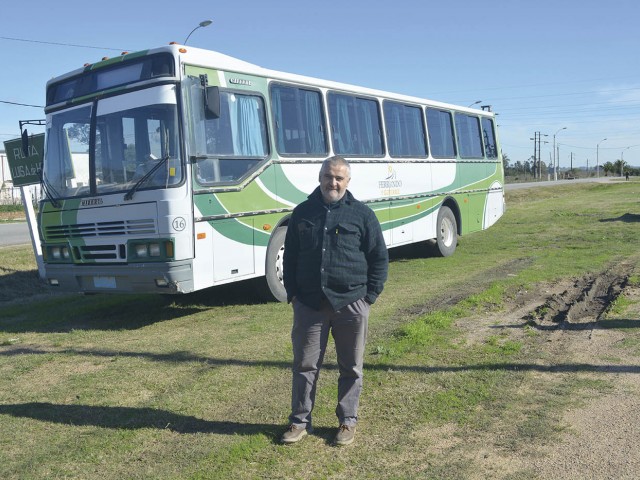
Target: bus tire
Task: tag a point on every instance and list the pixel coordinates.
(274, 267)
(447, 232)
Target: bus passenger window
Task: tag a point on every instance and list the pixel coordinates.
(235, 143)
(241, 130)
(299, 122)
(468, 135)
(405, 130)
(489, 136)
(440, 131)
(355, 125)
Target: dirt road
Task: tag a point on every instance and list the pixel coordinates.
(578, 334)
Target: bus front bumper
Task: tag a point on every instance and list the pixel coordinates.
(167, 278)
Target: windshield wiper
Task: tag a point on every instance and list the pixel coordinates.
(130, 193)
(48, 188)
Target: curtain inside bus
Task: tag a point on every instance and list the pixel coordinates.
(230, 147)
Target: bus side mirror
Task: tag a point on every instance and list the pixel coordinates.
(25, 143)
(212, 102)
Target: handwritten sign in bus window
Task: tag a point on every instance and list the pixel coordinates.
(25, 169)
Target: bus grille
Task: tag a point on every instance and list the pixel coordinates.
(101, 252)
(100, 229)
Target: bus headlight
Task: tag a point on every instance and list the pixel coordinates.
(154, 249)
(151, 250)
(58, 253)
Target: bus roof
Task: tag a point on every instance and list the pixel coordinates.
(216, 60)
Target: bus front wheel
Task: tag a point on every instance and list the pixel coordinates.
(447, 233)
(274, 282)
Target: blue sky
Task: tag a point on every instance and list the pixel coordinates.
(541, 65)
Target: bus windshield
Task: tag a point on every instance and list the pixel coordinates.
(109, 145)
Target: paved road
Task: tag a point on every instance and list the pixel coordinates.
(14, 234)
(557, 183)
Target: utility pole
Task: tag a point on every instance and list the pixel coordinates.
(537, 161)
(622, 161)
(598, 157)
(539, 158)
(536, 153)
(556, 155)
(535, 139)
(571, 156)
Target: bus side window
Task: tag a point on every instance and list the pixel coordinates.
(440, 130)
(298, 120)
(405, 130)
(355, 125)
(489, 136)
(468, 135)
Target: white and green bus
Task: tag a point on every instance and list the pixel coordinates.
(193, 162)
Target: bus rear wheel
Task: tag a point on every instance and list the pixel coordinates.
(447, 232)
(273, 281)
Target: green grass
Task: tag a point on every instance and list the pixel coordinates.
(198, 387)
(11, 208)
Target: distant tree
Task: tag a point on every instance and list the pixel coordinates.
(505, 162)
(619, 166)
(518, 167)
(79, 132)
(607, 168)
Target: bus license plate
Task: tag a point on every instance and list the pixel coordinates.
(104, 282)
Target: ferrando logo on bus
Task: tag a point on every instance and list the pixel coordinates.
(390, 185)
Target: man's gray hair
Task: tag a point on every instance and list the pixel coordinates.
(334, 161)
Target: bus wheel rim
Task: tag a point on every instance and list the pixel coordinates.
(446, 232)
(279, 265)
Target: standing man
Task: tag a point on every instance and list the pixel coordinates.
(335, 266)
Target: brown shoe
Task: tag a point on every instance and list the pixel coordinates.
(293, 434)
(345, 435)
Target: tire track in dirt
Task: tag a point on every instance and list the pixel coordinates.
(601, 435)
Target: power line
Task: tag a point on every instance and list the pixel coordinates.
(21, 104)
(613, 103)
(61, 44)
(565, 94)
(524, 85)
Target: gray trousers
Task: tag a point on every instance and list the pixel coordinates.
(309, 335)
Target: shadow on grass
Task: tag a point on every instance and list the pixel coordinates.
(372, 364)
(64, 312)
(132, 418)
(627, 218)
(412, 251)
(20, 284)
(245, 292)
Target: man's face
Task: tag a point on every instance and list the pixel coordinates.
(334, 180)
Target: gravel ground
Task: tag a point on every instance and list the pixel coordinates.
(600, 436)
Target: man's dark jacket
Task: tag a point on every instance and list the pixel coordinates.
(334, 252)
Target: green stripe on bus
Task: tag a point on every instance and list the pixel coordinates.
(285, 189)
